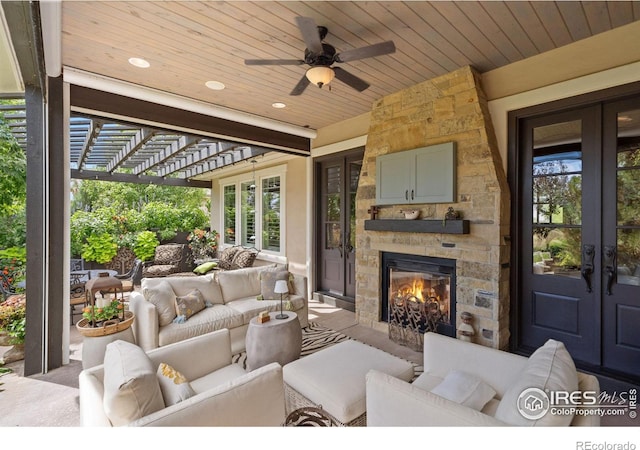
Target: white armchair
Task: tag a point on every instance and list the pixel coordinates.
(394, 402)
(225, 395)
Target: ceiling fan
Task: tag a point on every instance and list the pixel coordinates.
(320, 56)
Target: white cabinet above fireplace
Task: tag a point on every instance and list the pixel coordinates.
(421, 175)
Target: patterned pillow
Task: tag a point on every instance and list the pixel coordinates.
(163, 298)
(226, 257)
(188, 305)
(174, 386)
(168, 254)
(268, 280)
(244, 258)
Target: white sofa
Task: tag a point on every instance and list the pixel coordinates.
(233, 296)
(393, 402)
(225, 395)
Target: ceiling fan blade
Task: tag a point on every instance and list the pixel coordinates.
(301, 86)
(348, 78)
(273, 62)
(382, 48)
(310, 34)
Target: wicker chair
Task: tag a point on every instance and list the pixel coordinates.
(168, 259)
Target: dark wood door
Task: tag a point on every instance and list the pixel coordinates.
(579, 240)
(621, 238)
(560, 220)
(337, 187)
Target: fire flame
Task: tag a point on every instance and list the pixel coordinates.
(413, 290)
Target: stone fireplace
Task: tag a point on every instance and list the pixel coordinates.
(450, 108)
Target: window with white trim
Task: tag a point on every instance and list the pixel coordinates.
(253, 210)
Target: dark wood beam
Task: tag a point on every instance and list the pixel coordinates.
(99, 101)
(138, 179)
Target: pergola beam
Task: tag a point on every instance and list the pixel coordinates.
(138, 179)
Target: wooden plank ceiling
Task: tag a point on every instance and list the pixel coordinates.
(191, 42)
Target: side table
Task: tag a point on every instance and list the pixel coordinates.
(94, 348)
(278, 340)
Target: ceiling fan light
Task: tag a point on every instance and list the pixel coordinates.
(320, 75)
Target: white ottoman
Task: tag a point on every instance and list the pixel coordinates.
(334, 379)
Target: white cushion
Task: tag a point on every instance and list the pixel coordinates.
(163, 298)
(131, 388)
(549, 368)
(465, 389)
(174, 386)
(240, 283)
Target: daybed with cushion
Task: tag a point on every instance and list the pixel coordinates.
(189, 383)
(466, 384)
(225, 299)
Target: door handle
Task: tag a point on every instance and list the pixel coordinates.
(406, 194)
(340, 249)
(610, 266)
(588, 252)
(412, 197)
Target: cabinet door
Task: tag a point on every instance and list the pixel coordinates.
(395, 178)
(435, 168)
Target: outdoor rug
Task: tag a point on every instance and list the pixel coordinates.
(316, 337)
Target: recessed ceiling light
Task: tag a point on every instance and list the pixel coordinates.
(278, 105)
(215, 85)
(139, 62)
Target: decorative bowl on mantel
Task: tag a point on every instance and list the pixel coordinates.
(410, 214)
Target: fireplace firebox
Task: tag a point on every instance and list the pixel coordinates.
(418, 295)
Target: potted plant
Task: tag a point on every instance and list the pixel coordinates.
(100, 248)
(13, 327)
(203, 244)
(145, 245)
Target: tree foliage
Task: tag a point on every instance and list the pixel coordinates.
(13, 188)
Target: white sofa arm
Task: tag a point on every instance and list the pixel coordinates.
(145, 324)
(254, 399)
(393, 402)
(91, 395)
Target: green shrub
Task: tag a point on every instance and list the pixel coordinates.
(100, 248)
(145, 246)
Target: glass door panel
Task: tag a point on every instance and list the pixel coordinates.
(557, 199)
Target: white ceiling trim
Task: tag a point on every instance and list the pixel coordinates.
(93, 81)
(51, 20)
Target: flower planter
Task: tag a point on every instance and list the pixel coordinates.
(108, 326)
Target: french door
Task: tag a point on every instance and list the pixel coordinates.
(579, 234)
(337, 187)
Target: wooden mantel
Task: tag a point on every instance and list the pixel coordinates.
(456, 226)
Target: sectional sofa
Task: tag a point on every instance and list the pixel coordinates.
(231, 299)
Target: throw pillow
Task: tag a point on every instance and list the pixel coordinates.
(465, 389)
(205, 267)
(131, 387)
(268, 280)
(174, 386)
(164, 299)
(226, 257)
(188, 305)
(244, 258)
(549, 368)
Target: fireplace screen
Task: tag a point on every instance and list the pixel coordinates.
(419, 299)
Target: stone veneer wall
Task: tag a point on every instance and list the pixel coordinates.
(449, 108)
